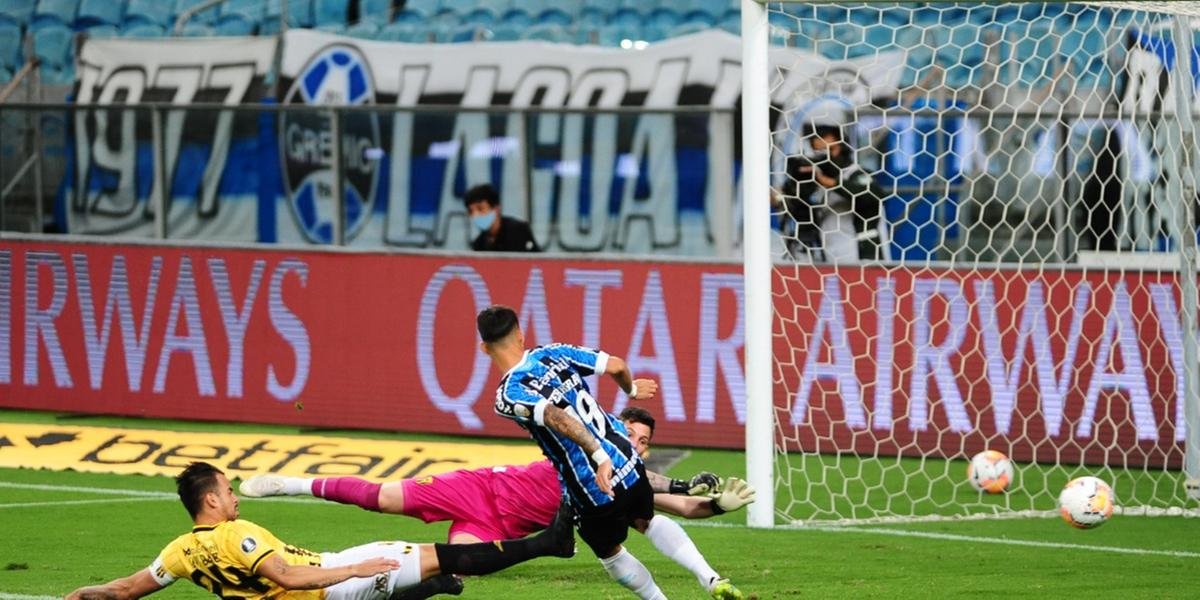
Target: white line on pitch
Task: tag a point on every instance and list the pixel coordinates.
(1006, 541)
(71, 502)
(126, 492)
(83, 490)
(6, 596)
(947, 537)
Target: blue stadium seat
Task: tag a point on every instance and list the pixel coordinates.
(703, 11)
(10, 46)
(102, 31)
(143, 30)
(516, 17)
(816, 33)
(299, 14)
(235, 24)
(503, 33)
(409, 17)
(329, 12)
(497, 6)
(1037, 50)
(207, 16)
(457, 34)
(730, 23)
(58, 12)
(252, 10)
(663, 17)
(5, 75)
(591, 17)
(375, 11)
(18, 12)
(366, 30)
(403, 32)
(99, 12)
(196, 29)
(547, 33)
(554, 16)
(653, 33)
(624, 17)
(152, 12)
(338, 28)
(694, 27)
(53, 45)
(612, 35)
(425, 7)
(481, 16)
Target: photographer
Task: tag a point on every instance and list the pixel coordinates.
(832, 202)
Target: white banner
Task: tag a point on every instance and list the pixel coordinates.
(204, 152)
(587, 181)
(639, 183)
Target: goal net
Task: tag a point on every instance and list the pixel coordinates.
(986, 254)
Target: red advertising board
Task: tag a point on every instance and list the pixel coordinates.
(1049, 365)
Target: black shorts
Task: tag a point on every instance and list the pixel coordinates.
(604, 527)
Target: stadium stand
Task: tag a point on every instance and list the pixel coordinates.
(99, 12)
(10, 49)
(144, 30)
(53, 13)
(147, 12)
(52, 44)
(208, 16)
(375, 11)
(1049, 36)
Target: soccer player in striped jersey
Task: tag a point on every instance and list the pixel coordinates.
(510, 501)
(543, 390)
(233, 558)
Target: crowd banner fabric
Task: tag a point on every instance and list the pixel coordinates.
(210, 157)
(387, 341)
(540, 121)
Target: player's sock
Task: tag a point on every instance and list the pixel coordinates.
(674, 543)
(631, 573)
(297, 486)
(487, 557)
(438, 584)
(480, 559)
(348, 490)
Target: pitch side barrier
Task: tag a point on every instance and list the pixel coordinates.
(337, 337)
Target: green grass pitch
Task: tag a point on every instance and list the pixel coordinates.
(54, 540)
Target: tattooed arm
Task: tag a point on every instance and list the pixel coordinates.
(563, 423)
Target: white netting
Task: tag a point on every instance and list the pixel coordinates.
(983, 257)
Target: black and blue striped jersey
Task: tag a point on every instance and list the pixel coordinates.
(553, 374)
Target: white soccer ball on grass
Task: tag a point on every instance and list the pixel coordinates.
(990, 471)
(1086, 502)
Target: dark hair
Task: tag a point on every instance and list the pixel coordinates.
(482, 193)
(638, 415)
(198, 479)
(496, 322)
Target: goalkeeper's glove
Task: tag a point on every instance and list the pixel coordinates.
(735, 493)
(702, 484)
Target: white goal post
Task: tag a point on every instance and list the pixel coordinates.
(968, 226)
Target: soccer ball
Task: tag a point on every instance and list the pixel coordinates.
(990, 471)
(1086, 502)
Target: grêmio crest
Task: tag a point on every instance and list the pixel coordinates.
(336, 75)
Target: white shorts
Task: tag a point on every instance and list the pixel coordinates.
(380, 586)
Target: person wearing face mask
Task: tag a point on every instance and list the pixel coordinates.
(493, 231)
(834, 202)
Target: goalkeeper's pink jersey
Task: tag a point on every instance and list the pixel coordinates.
(492, 503)
(526, 496)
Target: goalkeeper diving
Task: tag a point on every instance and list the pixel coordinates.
(507, 502)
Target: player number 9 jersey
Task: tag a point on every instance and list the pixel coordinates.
(553, 375)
